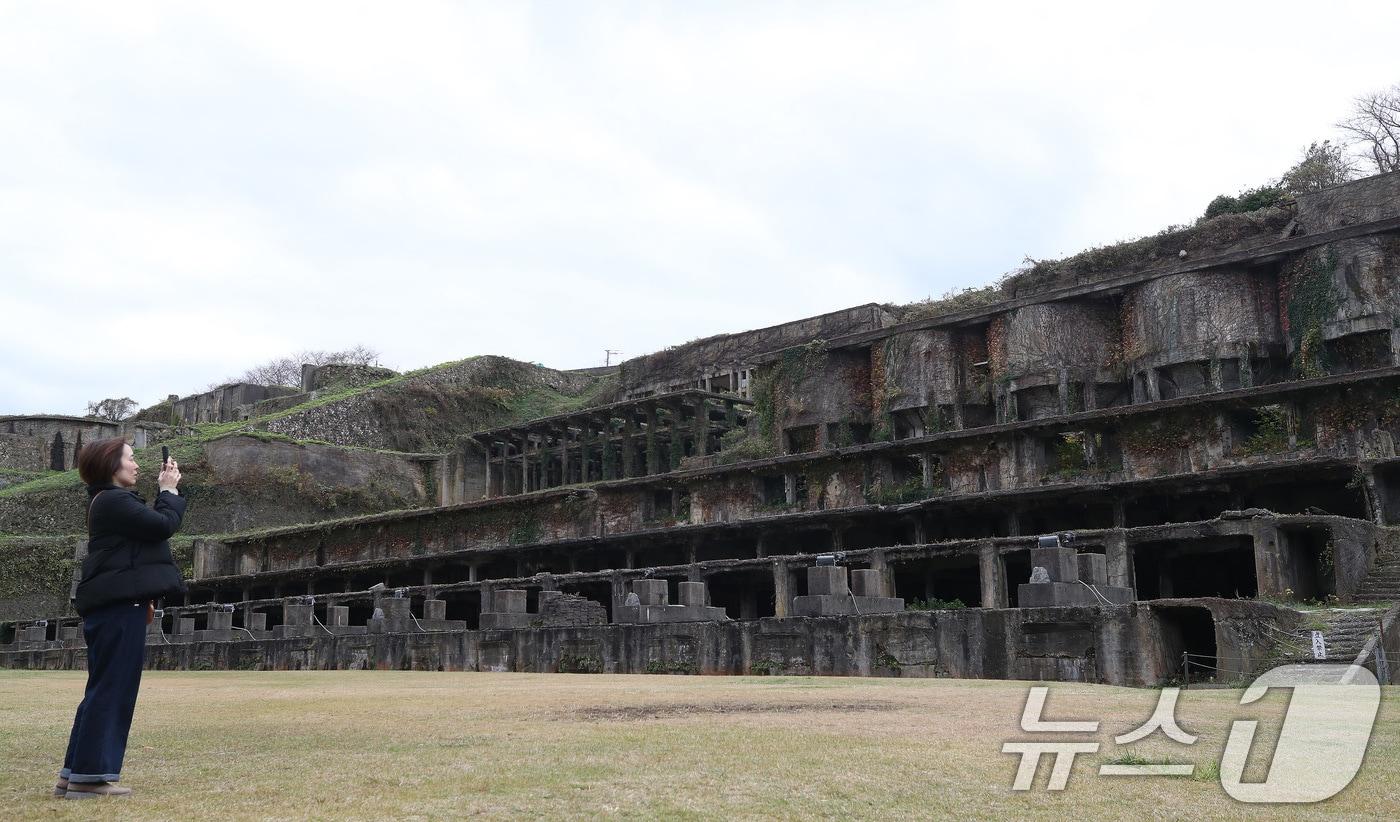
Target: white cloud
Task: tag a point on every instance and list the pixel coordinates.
(548, 180)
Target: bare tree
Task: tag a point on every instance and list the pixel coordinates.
(115, 410)
(1323, 165)
(287, 370)
(1373, 128)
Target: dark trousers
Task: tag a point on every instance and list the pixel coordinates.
(116, 650)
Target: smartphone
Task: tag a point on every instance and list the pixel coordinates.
(164, 455)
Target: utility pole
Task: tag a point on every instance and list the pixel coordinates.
(607, 360)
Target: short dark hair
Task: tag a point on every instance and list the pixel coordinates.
(100, 459)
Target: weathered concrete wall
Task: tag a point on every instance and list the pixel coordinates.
(38, 442)
(1114, 645)
(241, 458)
(341, 376)
(834, 392)
(1198, 316)
(1042, 339)
(920, 369)
(681, 366)
(225, 403)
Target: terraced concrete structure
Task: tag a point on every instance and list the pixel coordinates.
(1216, 424)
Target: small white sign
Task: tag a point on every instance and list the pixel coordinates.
(1319, 646)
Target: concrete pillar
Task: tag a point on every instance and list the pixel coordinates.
(564, 455)
(1120, 513)
(653, 451)
(702, 427)
(1062, 390)
(473, 569)
(619, 592)
(928, 462)
(1013, 523)
(585, 448)
(487, 595)
(1217, 375)
(782, 588)
(629, 442)
(838, 536)
(991, 572)
(525, 464)
(762, 545)
(1246, 367)
(486, 468)
(1272, 570)
(879, 562)
(790, 488)
(1119, 558)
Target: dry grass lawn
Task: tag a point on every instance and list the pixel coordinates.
(409, 745)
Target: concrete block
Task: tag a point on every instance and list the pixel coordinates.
(509, 601)
(337, 615)
(35, 633)
(867, 582)
(651, 591)
(68, 634)
(184, 626)
(502, 621)
(435, 609)
(1093, 569)
(1060, 563)
(827, 579)
(1055, 594)
(220, 621)
(398, 617)
(257, 622)
(844, 605)
(692, 593)
(295, 613)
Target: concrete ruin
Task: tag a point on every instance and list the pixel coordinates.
(874, 493)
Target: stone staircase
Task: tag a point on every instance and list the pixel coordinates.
(1344, 630)
(1383, 583)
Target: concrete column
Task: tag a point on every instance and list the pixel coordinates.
(1395, 345)
(920, 530)
(653, 451)
(1062, 390)
(1013, 523)
(1246, 367)
(1120, 513)
(525, 464)
(1154, 386)
(1119, 559)
(1272, 569)
(564, 455)
(629, 438)
(428, 581)
(838, 536)
(473, 571)
(1217, 375)
(991, 571)
(487, 467)
(879, 562)
(702, 427)
(929, 463)
(585, 448)
(619, 592)
(762, 545)
(790, 488)
(487, 606)
(782, 588)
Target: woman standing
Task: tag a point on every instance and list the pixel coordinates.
(128, 565)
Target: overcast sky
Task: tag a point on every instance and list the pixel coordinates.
(189, 189)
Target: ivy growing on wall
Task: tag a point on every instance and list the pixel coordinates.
(1307, 292)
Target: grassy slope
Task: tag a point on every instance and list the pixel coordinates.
(379, 745)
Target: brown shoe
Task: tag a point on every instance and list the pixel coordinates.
(88, 790)
(61, 788)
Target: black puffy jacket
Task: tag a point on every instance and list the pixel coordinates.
(128, 557)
